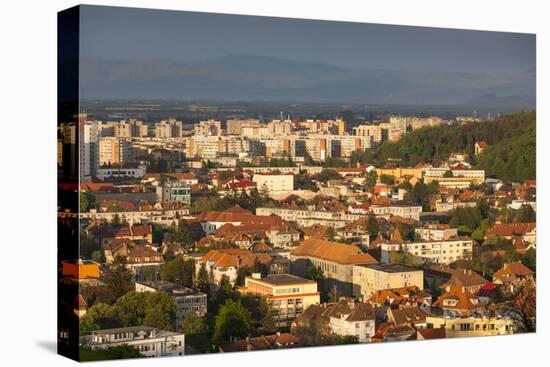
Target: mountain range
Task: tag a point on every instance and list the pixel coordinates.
(243, 77)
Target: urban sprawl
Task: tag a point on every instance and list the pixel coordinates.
(244, 235)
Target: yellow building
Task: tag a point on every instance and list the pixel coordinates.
(287, 295)
(402, 173)
(471, 326)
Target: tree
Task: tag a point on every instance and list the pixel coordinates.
(371, 178)
(129, 309)
(202, 281)
(99, 316)
(119, 278)
(268, 323)
(326, 175)
(97, 256)
(520, 303)
(387, 179)
(225, 291)
(525, 214)
(372, 225)
(448, 174)
(160, 311)
(87, 354)
(232, 321)
(316, 332)
(196, 331)
(349, 339)
(115, 221)
(314, 273)
(87, 200)
(530, 259)
(179, 271)
(436, 286)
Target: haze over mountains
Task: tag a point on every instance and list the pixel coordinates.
(244, 77)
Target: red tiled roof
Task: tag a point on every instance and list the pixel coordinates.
(333, 251)
(507, 230)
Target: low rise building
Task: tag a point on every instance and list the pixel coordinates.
(174, 191)
(149, 341)
(370, 278)
(335, 260)
(274, 183)
(403, 209)
(287, 295)
(440, 252)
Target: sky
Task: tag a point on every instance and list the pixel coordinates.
(111, 33)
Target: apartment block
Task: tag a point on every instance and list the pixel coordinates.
(287, 295)
(370, 278)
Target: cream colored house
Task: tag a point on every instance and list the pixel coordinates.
(472, 326)
(370, 278)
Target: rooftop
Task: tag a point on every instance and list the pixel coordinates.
(284, 279)
(390, 268)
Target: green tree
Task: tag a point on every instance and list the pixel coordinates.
(436, 287)
(129, 309)
(116, 220)
(530, 259)
(525, 214)
(160, 311)
(314, 273)
(119, 278)
(87, 354)
(179, 271)
(387, 179)
(372, 225)
(371, 178)
(448, 174)
(196, 331)
(232, 321)
(97, 256)
(202, 281)
(99, 316)
(87, 200)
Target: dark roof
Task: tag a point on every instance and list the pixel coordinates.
(390, 268)
(282, 279)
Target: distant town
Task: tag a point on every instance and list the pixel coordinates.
(252, 234)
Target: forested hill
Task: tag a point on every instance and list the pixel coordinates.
(510, 156)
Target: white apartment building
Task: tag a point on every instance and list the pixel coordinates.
(436, 232)
(150, 342)
(274, 183)
(439, 252)
(370, 278)
(306, 218)
(401, 208)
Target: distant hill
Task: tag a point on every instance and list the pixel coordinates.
(511, 155)
(259, 78)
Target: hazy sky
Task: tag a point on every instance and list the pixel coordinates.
(127, 34)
